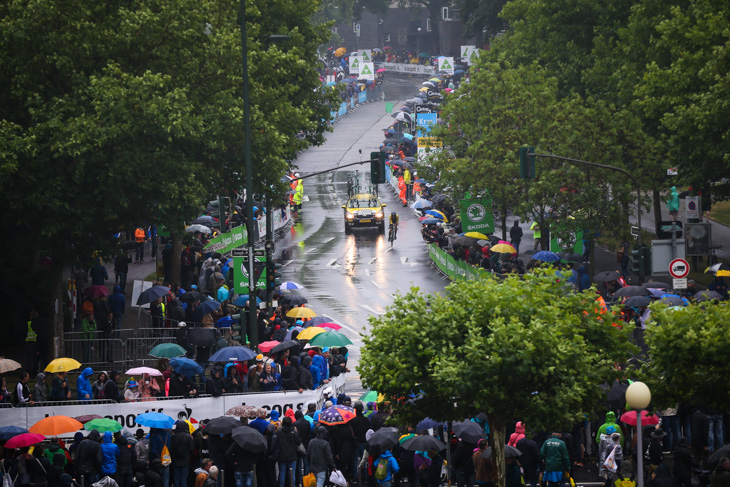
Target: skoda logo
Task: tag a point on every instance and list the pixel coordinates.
(476, 212)
(244, 269)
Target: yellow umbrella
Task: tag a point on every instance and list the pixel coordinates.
(340, 51)
(423, 89)
(477, 235)
(301, 313)
(503, 249)
(309, 333)
(63, 364)
(443, 215)
(723, 273)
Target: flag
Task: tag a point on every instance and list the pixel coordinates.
(389, 107)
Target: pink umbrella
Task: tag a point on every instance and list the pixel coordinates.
(333, 326)
(381, 70)
(265, 347)
(23, 440)
(629, 417)
(448, 90)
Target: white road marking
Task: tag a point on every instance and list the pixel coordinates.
(367, 272)
(389, 249)
(377, 285)
(333, 264)
(368, 308)
(287, 263)
(404, 260)
(310, 250)
(372, 261)
(305, 198)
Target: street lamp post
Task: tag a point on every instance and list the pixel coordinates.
(638, 397)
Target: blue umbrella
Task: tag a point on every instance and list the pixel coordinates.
(155, 420)
(391, 131)
(242, 299)
(459, 71)
(421, 203)
(225, 322)
(674, 300)
(317, 321)
(207, 307)
(331, 83)
(290, 285)
(546, 256)
(204, 218)
(152, 294)
(431, 221)
(426, 424)
(232, 354)
(7, 432)
(408, 136)
(435, 214)
(185, 366)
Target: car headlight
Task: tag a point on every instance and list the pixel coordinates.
(379, 215)
(349, 216)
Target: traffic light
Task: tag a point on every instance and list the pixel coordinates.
(636, 261)
(527, 163)
(646, 260)
(219, 212)
(217, 205)
(377, 167)
(239, 330)
(273, 279)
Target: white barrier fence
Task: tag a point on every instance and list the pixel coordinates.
(409, 68)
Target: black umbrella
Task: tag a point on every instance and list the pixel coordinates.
(201, 337)
(438, 198)
(385, 438)
(707, 296)
(207, 307)
(717, 455)
(606, 276)
(616, 396)
(570, 257)
(222, 425)
(191, 296)
(638, 301)
(656, 285)
(423, 443)
(628, 291)
(469, 431)
(391, 141)
(249, 439)
(293, 300)
(509, 452)
(152, 294)
(286, 345)
(465, 241)
(672, 300)
(129, 245)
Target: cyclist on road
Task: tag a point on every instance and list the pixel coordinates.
(393, 223)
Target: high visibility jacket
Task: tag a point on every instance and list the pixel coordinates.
(31, 336)
(139, 235)
(299, 195)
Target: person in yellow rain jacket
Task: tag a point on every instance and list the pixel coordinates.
(298, 195)
(407, 180)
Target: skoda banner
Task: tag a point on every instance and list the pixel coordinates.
(476, 215)
(446, 64)
(367, 71)
(355, 64)
(240, 271)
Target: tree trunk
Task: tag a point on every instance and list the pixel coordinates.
(657, 206)
(497, 428)
(174, 277)
(503, 214)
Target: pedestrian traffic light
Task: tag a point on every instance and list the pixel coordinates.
(527, 163)
(377, 167)
(273, 279)
(636, 262)
(646, 260)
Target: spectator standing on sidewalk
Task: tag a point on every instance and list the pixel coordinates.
(515, 235)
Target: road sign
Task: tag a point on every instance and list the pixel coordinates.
(679, 268)
(679, 284)
(693, 207)
(634, 231)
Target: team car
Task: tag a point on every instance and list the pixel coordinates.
(364, 210)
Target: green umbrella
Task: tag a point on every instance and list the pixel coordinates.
(330, 339)
(422, 54)
(167, 350)
(370, 396)
(103, 425)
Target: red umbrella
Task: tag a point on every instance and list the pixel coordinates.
(25, 439)
(97, 292)
(629, 417)
(265, 347)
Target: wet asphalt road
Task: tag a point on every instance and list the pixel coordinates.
(350, 278)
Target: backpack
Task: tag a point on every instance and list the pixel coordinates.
(165, 458)
(381, 471)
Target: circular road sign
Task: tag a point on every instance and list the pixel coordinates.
(678, 268)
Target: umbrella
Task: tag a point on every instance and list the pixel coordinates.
(629, 417)
(198, 228)
(465, 241)
(7, 432)
(225, 322)
(430, 221)
(23, 440)
(290, 285)
(330, 326)
(330, 339)
(656, 285)
(96, 292)
(144, 370)
(707, 296)
(628, 291)
(203, 220)
(509, 452)
(232, 354)
(243, 299)
(222, 425)
(290, 332)
(385, 438)
(429, 83)
(340, 51)
(469, 431)
(717, 455)
(423, 443)
(103, 425)
(440, 215)
(56, 425)
(243, 411)
(87, 417)
(155, 420)
(616, 395)
(63, 364)
(637, 301)
(311, 332)
(207, 307)
(191, 296)
(673, 300)
(301, 313)
(546, 256)
(387, 47)
(249, 439)
(185, 366)
(423, 54)
(293, 300)
(426, 424)
(285, 346)
(266, 347)
(421, 203)
(337, 414)
(201, 337)
(152, 294)
(479, 236)
(606, 276)
(167, 350)
(317, 321)
(381, 70)
(722, 266)
(8, 365)
(503, 249)
(570, 257)
(129, 245)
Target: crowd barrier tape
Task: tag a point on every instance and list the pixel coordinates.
(352, 102)
(125, 413)
(456, 270)
(409, 68)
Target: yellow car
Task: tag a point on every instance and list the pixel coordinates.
(363, 210)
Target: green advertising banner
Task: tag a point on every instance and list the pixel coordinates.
(227, 241)
(461, 270)
(240, 273)
(557, 246)
(476, 215)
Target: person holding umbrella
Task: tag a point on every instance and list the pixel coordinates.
(483, 467)
(319, 455)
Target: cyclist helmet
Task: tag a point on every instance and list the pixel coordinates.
(394, 214)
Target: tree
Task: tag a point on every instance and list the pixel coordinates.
(524, 348)
(479, 15)
(689, 355)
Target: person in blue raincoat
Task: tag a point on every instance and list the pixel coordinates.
(110, 453)
(83, 385)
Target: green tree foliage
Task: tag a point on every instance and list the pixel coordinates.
(527, 349)
(688, 355)
(481, 15)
